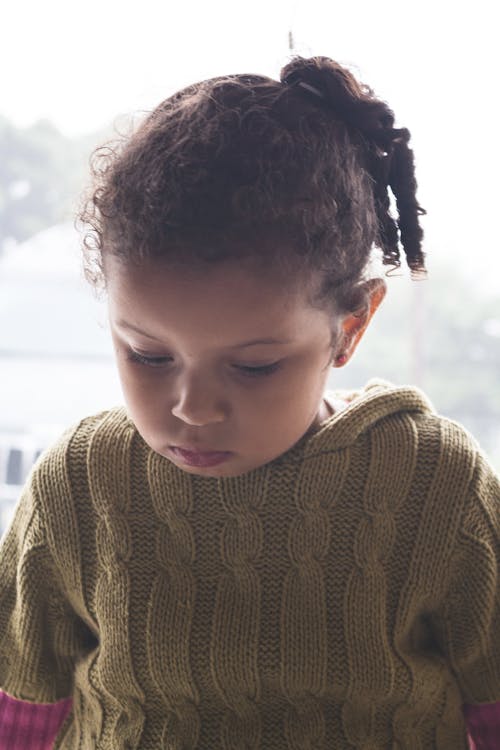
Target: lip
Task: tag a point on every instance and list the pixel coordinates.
(199, 458)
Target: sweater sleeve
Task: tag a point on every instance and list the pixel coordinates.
(41, 636)
(483, 725)
(30, 726)
(468, 625)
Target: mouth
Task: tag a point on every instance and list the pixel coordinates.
(199, 458)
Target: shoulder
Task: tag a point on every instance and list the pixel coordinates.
(401, 419)
(76, 439)
(89, 459)
(429, 464)
(66, 464)
(378, 406)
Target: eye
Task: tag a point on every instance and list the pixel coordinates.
(247, 371)
(253, 372)
(149, 361)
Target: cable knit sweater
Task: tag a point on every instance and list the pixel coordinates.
(345, 595)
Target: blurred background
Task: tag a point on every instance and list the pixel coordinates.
(75, 73)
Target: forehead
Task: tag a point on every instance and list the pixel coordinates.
(233, 299)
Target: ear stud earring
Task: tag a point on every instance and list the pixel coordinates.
(341, 359)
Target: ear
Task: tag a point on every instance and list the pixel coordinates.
(355, 324)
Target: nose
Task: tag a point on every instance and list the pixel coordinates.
(199, 404)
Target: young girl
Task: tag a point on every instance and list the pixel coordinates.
(240, 558)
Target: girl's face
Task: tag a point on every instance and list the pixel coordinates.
(224, 360)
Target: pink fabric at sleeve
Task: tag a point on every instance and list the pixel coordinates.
(483, 725)
(30, 726)
(34, 726)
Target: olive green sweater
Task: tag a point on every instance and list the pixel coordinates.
(343, 596)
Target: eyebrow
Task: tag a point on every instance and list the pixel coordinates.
(253, 342)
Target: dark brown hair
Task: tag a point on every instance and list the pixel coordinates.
(297, 170)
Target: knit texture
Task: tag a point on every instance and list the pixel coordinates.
(343, 596)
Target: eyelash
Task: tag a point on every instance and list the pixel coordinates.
(251, 372)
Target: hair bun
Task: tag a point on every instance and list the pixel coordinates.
(389, 160)
(322, 73)
(352, 101)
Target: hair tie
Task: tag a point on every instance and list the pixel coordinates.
(312, 89)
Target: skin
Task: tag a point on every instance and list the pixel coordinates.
(198, 396)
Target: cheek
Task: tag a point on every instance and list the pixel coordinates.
(289, 398)
(306, 374)
(135, 379)
(141, 395)
(130, 381)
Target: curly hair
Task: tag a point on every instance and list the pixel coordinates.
(297, 170)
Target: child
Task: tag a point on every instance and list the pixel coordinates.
(240, 558)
